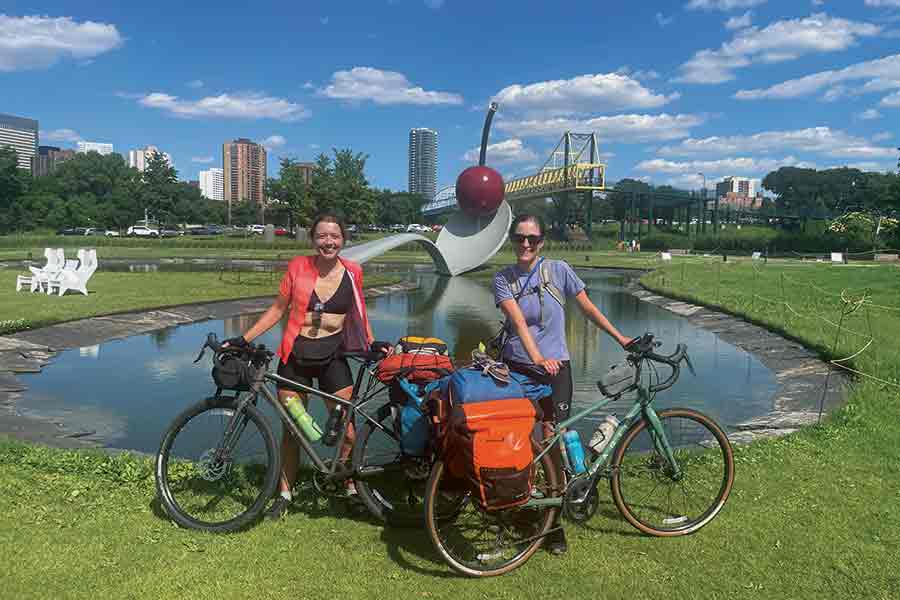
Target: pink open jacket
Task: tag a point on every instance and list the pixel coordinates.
(297, 286)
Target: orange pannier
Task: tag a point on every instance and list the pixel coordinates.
(414, 366)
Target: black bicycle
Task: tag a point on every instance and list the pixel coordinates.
(218, 464)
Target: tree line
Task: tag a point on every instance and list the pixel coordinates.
(92, 190)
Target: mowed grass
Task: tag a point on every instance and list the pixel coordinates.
(813, 515)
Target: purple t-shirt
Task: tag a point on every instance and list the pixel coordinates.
(550, 336)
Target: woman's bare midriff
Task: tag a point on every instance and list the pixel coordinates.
(316, 325)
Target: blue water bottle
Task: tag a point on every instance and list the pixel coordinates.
(575, 451)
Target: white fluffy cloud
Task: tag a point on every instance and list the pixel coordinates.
(273, 142)
(505, 152)
(869, 114)
(631, 128)
(195, 84)
(884, 135)
(602, 92)
(60, 135)
(663, 20)
(723, 5)
(740, 22)
(778, 42)
(819, 140)
(382, 87)
(881, 73)
(202, 159)
(242, 105)
(36, 42)
(892, 100)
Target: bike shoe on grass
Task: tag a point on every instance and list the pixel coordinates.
(279, 509)
(556, 542)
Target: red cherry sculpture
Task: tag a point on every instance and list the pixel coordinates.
(479, 191)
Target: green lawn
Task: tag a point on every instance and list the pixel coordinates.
(121, 292)
(814, 515)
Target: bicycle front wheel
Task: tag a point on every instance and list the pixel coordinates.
(209, 483)
(655, 497)
(480, 543)
(390, 483)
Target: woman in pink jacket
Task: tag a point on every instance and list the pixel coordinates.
(322, 294)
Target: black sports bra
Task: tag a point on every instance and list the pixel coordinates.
(340, 302)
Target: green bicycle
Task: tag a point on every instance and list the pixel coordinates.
(670, 474)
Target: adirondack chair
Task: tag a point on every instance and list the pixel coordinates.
(56, 258)
(76, 274)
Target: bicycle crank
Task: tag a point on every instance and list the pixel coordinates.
(581, 500)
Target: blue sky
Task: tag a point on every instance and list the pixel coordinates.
(673, 89)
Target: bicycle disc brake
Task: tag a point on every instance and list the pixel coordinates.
(581, 500)
(212, 468)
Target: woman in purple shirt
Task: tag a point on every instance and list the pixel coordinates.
(536, 323)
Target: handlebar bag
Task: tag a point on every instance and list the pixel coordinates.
(231, 373)
(617, 379)
(413, 343)
(415, 366)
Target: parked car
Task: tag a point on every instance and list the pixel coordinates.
(372, 228)
(205, 230)
(398, 227)
(416, 228)
(111, 233)
(170, 233)
(352, 228)
(281, 231)
(73, 231)
(256, 229)
(437, 227)
(142, 231)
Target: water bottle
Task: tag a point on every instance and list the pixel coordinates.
(575, 451)
(303, 419)
(603, 434)
(333, 426)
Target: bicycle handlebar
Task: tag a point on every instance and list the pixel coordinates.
(642, 348)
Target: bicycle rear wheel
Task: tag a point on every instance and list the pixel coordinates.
(649, 494)
(480, 543)
(390, 484)
(208, 485)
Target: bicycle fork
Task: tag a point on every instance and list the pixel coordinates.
(660, 440)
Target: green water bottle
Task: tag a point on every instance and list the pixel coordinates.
(303, 419)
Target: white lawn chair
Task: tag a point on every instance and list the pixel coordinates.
(72, 277)
(56, 258)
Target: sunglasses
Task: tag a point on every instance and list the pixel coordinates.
(533, 240)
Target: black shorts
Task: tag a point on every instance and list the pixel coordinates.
(559, 403)
(331, 377)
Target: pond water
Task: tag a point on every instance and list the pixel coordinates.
(124, 393)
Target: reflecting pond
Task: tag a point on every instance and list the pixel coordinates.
(124, 393)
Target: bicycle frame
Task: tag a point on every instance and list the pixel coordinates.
(353, 406)
(642, 407)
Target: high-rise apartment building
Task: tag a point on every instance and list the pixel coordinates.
(138, 159)
(211, 184)
(423, 162)
(47, 159)
(244, 171)
(21, 135)
(95, 147)
(736, 185)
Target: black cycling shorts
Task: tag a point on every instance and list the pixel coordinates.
(331, 377)
(559, 403)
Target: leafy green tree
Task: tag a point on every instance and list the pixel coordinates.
(12, 186)
(159, 192)
(292, 192)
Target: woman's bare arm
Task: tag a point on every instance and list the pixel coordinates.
(268, 318)
(599, 319)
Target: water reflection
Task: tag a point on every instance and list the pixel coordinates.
(140, 384)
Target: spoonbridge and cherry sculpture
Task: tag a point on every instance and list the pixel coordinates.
(473, 234)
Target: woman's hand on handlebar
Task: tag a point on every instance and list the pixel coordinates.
(551, 365)
(236, 342)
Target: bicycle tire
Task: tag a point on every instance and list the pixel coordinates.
(534, 529)
(703, 453)
(178, 471)
(395, 497)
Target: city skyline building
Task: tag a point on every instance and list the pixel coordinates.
(423, 148)
(99, 147)
(139, 158)
(212, 184)
(47, 159)
(20, 134)
(741, 186)
(244, 172)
